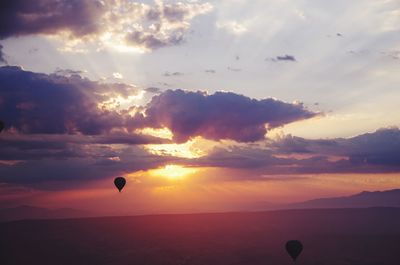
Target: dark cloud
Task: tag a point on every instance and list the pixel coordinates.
(286, 58)
(53, 104)
(281, 58)
(377, 152)
(2, 55)
(19, 17)
(379, 148)
(82, 165)
(34, 103)
(210, 71)
(219, 116)
(37, 147)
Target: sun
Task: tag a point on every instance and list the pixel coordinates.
(173, 172)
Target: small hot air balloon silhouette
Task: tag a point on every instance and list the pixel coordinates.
(119, 182)
(1, 126)
(294, 248)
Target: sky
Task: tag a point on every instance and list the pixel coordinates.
(200, 105)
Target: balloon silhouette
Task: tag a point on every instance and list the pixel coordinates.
(119, 183)
(1, 126)
(294, 248)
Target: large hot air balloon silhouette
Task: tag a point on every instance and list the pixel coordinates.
(1, 126)
(294, 248)
(119, 182)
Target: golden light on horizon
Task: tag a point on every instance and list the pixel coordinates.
(173, 172)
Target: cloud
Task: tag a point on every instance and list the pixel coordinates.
(34, 103)
(68, 72)
(151, 41)
(61, 146)
(381, 147)
(53, 104)
(21, 17)
(2, 55)
(154, 90)
(60, 171)
(233, 27)
(110, 23)
(210, 71)
(281, 58)
(377, 152)
(218, 116)
(173, 74)
(286, 58)
(117, 75)
(234, 69)
(71, 160)
(240, 157)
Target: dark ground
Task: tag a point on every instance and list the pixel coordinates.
(334, 236)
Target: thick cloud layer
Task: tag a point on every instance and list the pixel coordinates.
(378, 148)
(19, 17)
(377, 152)
(123, 22)
(54, 104)
(2, 56)
(220, 116)
(33, 103)
(55, 121)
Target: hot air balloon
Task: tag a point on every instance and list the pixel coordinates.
(294, 248)
(1, 126)
(119, 183)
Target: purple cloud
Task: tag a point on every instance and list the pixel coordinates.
(19, 17)
(2, 55)
(129, 22)
(221, 115)
(54, 104)
(378, 148)
(286, 58)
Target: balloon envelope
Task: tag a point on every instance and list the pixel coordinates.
(294, 248)
(1, 126)
(119, 183)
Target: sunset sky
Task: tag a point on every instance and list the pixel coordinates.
(200, 105)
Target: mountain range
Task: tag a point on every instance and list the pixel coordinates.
(365, 199)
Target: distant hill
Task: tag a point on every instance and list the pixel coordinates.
(31, 212)
(365, 199)
(389, 198)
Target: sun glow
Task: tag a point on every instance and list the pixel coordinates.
(164, 133)
(193, 148)
(120, 102)
(173, 172)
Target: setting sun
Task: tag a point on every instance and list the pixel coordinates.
(173, 172)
